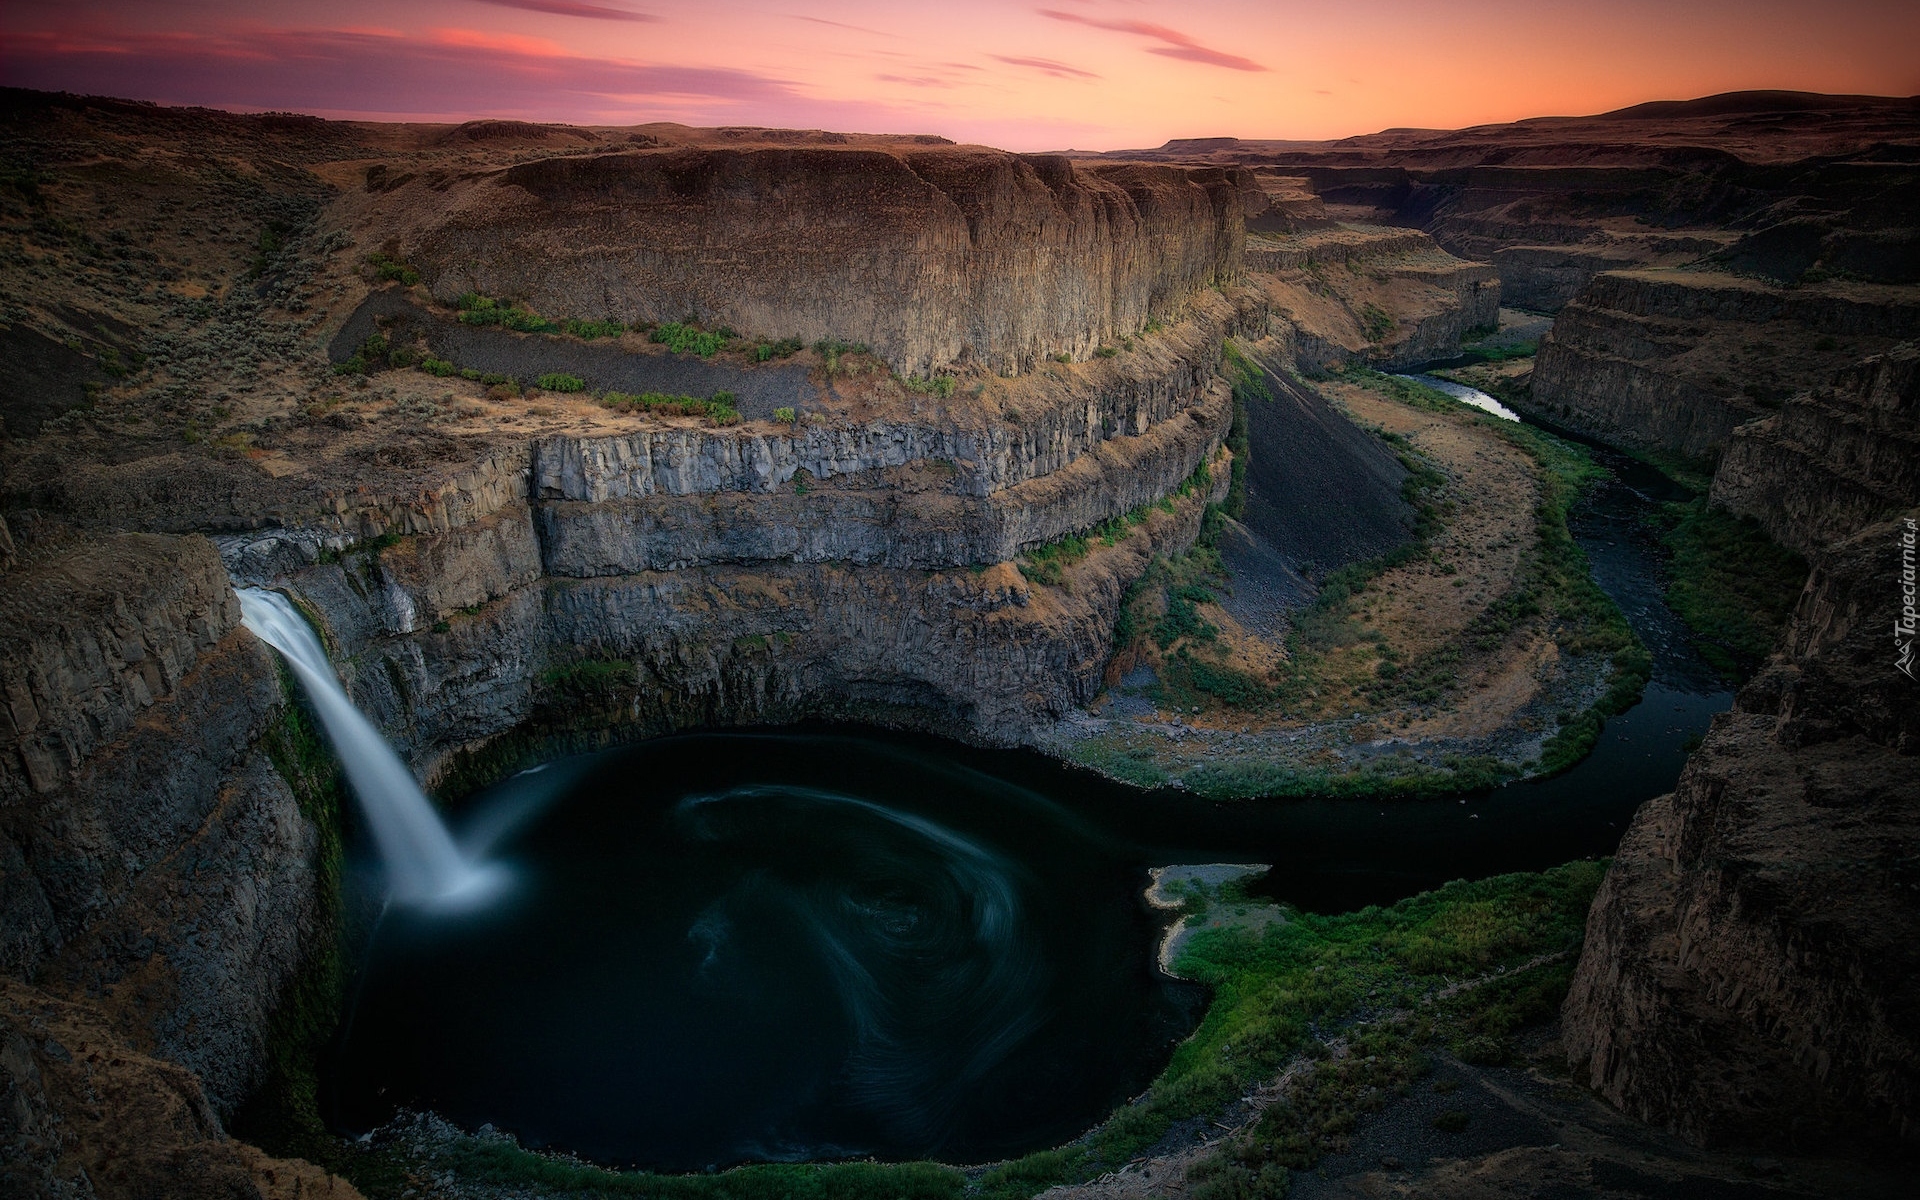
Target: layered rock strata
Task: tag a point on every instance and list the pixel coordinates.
(1751, 960)
(931, 256)
(1674, 361)
(1385, 297)
(1833, 459)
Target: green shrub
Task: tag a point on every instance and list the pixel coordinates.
(476, 309)
(931, 385)
(1181, 619)
(560, 381)
(786, 416)
(784, 348)
(688, 339)
(1376, 321)
(437, 366)
(388, 270)
(718, 409)
(587, 331)
(352, 366)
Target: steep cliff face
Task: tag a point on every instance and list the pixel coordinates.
(931, 256)
(1674, 361)
(1833, 459)
(90, 1117)
(150, 856)
(1385, 297)
(1751, 960)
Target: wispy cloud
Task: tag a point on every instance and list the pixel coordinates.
(1175, 44)
(842, 25)
(444, 72)
(573, 8)
(1058, 70)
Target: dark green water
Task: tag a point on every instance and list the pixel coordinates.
(823, 942)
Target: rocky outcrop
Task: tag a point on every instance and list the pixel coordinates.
(150, 856)
(1675, 361)
(975, 652)
(912, 519)
(931, 256)
(1386, 297)
(1751, 961)
(89, 1117)
(1832, 460)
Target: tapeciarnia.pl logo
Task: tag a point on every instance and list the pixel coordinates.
(1904, 625)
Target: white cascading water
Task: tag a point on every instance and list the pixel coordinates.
(423, 865)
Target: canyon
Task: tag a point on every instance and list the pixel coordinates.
(962, 418)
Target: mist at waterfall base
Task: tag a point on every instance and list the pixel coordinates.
(422, 864)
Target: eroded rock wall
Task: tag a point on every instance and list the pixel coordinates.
(1675, 361)
(931, 256)
(1751, 968)
(150, 856)
(90, 1117)
(1833, 459)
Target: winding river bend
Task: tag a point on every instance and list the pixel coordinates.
(822, 942)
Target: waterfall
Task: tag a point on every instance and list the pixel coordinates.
(423, 865)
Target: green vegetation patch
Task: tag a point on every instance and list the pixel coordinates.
(784, 348)
(476, 309)
(718, 409)
(390, 270)
(1359, 1001)
(590, 677)
(1046, 565)
(496, 1162)
(930, 385)
(1733, 585)
(688, 339)
(1556, 584)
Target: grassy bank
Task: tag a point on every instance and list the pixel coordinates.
(1356, 1003)
(1351, 1006)
(1731, 584)
(1336, 664)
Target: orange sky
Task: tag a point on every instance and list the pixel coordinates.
(1092, 74)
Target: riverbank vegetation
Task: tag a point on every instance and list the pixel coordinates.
(1731, 584)
(1349, 1011)
(1358, 652)
(1351, 1008)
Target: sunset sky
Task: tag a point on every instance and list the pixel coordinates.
(1041, 74)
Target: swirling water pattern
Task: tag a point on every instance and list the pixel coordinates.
(881, 953)
(937, 971)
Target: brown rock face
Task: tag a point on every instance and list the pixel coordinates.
(1674, 361)
(88, 1117)
(1832, 459)
(150, 856)
(931, 256)
(1752, 962)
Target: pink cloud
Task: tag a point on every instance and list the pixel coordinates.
(452, 71)
(1058, 70)
(1178, 45)
(573, 8)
